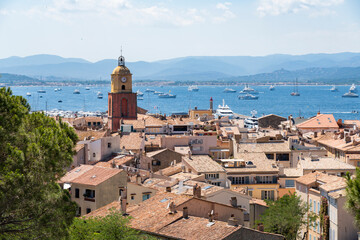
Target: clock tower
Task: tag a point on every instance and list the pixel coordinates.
(122, 101)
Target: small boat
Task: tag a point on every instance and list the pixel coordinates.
(353, 88)
(251, 122)
(166, 95)
(99, 95)
(60, 101)
(272, 88)
(149, 90)
(41, 96)
(139, 93)
(193, 88)
(248, 89)
(229, 90)
(350, 95)
(76, 91)
(41, 91)
(87, 88)
(28, 94)
(55, 90)
(334, 89)
(295, 93)
(158, 93)
(254, 92)
(59, 89)
(248, 96)
(354, 111)
(140, 98)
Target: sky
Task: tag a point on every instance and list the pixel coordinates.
(149, 30)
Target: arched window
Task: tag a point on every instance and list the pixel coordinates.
(124, 107)
(123, 87)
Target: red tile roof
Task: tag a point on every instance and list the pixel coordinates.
(320, 121)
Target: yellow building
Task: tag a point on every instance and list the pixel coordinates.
(199, 113)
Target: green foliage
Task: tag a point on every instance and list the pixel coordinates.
(286, 216)
(324, 218)
(34, 151)
(113, 226)
(353, 195)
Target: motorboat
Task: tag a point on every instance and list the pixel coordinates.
(140, 98)
(87, 88)
(224, 111)
(350, 95)
(295, 93)
(334, 89)
(60, 101)
(229, 90)
(353, 88)
(158, 93)
(149, 90)
(272, 88)
(248, 96)
(248, 89)
(28, 94)
(251, 122)
(193, 88)
(138, 93)
(41, 91)
(55, 90)
(166, 95)
(76, 91)
(99, 95)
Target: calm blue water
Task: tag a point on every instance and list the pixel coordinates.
(312, 99)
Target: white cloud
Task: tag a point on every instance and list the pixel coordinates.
(315, 7)
(226, 12)
(223, 6)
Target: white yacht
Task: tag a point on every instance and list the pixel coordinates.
(76, 91)
(139, 93)
(248, 89)
(248, 96)
(28, 94)
(166, 95)
(334, 89)
(100, 95)
(353, 88)
(158, 93)
(272, 87)
(87, 88)
(350, 95)
(224, 111)
(251, 122)
(229, 90)
(149, 90)
(193, 88)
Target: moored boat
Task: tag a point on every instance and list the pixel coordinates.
(166, 95)
(350, 95)
(76, 91)
(248, 96)
(223, 111)
(193, 88)
(229, 90)
(139, 93)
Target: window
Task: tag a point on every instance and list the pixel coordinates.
(156, 163)
(318, 211)
(94, 154)
(318, 226)
(88, 210)
(358, 164)
(77, 193)
(239, 180)
(123, 87)
(89, 194)
(89, 124)
(250, 193)
(109, 145)
(211, 175)
(132, 197)
(145, 196)
(314, 206)
(289, 183)
(266, 179)
(310, 203)
(266, 194)
(270, 156)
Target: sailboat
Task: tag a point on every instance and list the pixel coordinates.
(333, 89)
(272, 87)
(295, 92)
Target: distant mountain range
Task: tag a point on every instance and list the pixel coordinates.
(272, 68)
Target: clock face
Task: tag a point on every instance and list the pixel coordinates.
(123, 79)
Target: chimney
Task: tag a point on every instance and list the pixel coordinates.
(211, 216)
(123, 201)
(232, 221)
(211, 104)
(322, 132)
(168, 189)
(347, 139)
(315, 134)
(189, 154)
(195, 108)
(185, 213)
(197, 191)
(233, 201)
(260, 227)
(172, 207)
(342, 135)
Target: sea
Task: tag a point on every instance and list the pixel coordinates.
(312, 99)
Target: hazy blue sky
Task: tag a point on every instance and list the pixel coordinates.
(151, 30)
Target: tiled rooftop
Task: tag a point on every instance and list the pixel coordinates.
(203, 164)
(133, 141)
(260, 163)
(278, 147)
(117, 160)
(90, 134)
(330, 182)
(319, 121)
(324, 163)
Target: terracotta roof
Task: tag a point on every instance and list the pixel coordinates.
(153, 139)
(183, 121)
(118, 160)
(260, 163)
(352, 122)
(313, 177)
(78, 147)
(133, 141)
(154, 153)
(338, 194)
(182, 149)
(278, 147)
(258, 201)
(233, 130)
(319, 121)
(293, 172)
(324, 163)
(272, 115)
(169, 171)
(329, 140)
(74, 173)
(140, 123)
(90, 134)
(203, 164)
(92, 176)
(198, 228)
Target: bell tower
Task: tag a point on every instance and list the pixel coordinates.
(122, 101)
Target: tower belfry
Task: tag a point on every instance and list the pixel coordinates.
(122, 101)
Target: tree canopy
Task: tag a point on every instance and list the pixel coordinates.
(353, 195)
(112, 227)
(34, 152)
(285, 216)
